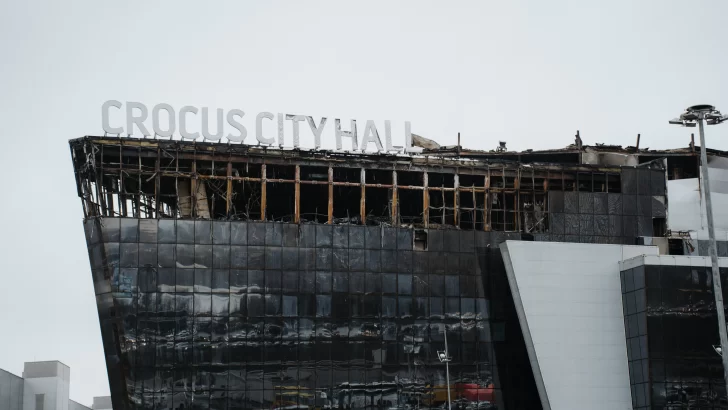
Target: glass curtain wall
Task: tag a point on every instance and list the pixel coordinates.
(241, 315)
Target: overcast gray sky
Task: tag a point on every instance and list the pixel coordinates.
(527, 72)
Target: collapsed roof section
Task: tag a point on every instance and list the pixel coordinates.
(442, 187)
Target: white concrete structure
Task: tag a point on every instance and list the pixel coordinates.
(102, 403)
(568, 298)
(670, 260)
(44, 386)
(687, 202)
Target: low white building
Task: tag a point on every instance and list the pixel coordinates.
(43, 386)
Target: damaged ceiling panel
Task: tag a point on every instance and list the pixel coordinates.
(596, 193)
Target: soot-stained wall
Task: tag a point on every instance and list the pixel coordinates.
(217, 314)
(671, 326)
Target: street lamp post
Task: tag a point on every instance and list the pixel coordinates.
(445, 358)
(698, 115)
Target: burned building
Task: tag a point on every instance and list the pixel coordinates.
(230, 276)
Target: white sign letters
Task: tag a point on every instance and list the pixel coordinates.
(270, 129)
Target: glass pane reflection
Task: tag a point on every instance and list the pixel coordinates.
(213, 317)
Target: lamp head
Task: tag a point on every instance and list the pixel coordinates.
(697, 113)
(700, 108)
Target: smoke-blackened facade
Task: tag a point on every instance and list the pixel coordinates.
(216, 314)
(671, 327)
(235, 277)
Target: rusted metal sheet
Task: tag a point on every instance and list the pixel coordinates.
(297, 196)
(362, 199)
(193, 188)
(438, 152)
(137, 196)
(486, 205)
(425, 201)
(330, 210)
(157, 184)
(263, 193)
(184, 198)
(141, 175)
(244, 153)
(229, 189)
(456, 212)
(395, 211)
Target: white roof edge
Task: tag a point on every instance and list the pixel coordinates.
(671, 260)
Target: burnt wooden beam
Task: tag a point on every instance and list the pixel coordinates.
(395, 204)
(229, 189)
(330, 209)
(425, 201)
(455, 197)
(362, 199)
(263, 193)
(297, 197)
(138, 202)
(157, 184)
(193, 189)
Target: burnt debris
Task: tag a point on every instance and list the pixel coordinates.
(447, 187)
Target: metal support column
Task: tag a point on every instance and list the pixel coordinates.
(717, 287)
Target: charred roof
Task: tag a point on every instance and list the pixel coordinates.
(571, 156)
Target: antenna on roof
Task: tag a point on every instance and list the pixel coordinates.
(637, 147)
(577, 140)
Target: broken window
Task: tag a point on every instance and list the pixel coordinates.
(471, 181)
(352, 175)
(378, 205)
(280, 201)
(314, 202)
(659, 227)
(471, 208)
(246, 200)
(346, 195)
(569, 181)
(147, 181)
(410, 205)
(441, 180)
(280, 192)
(683, 167)
(532, 213)
(347, 203)
(614, 183)
(420, 240)
(584, 182)
(405, 179)
(555, 182)
(504, 216)
(599, 182)
(442, 206)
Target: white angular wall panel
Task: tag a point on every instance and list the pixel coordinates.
(569, 301)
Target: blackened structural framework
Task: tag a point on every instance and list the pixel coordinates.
(232, 276)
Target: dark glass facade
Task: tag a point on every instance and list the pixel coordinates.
(244, 315)
(237, 277)
(671, 326)
(605, 217)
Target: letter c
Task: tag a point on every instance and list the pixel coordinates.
(183, 122)
(155, 118)
(105, 117)
(259, 128)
